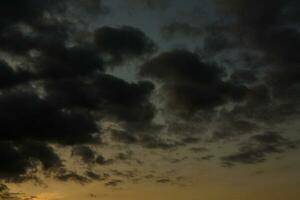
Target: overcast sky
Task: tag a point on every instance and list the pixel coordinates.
(149, 99)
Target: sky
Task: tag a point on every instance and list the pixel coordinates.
(149, 99)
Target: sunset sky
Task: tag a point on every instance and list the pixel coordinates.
(149, 99)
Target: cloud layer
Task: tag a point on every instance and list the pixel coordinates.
(58, 88)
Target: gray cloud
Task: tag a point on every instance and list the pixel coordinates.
(258, 148)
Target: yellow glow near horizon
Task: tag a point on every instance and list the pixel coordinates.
(48, 196)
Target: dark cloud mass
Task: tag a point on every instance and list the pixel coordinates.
(271, 28)
(259, 78)
(69, 87)
(86, 153)
(179, 29)
(152, 4)
(189, 84)
(61, 62)
(19, 159)
(10, 77)
(258, 147)
(123, 42)
(58, 90)
(27, 116)
(90, 156)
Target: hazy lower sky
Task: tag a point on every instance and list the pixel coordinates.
(149, 99)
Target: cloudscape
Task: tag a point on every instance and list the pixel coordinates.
(149, 99)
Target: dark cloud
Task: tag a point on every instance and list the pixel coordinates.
(85, 153)
(271, 29)
(257, 42)
(10, 77)
(103, 161)
(128, 174)
(72, 84)
(24, 22)
(22, 158)
(16, 42)
(207, 157)
(176, 160)
(27, 116)
(62, 116)
(164, 180)
(95, 176)
(62, 62)
(198, 149)
(112, 97)
(125, 156)
(190, 140)
(15, 164)
(72, 176)
(122, 43)
(42, 25)
(216, 42)
(21, 11)
(155, 142)
(114, 183)
(126, 101)
(124, 137)
(54, 89)
(44, 153)
(181, 29)
(146, 140)
(152, 4)
(260, 106)
(258, 148)
(34, 11)
(189, 84)
(88, 7)
(243, 76)
(232, 128)
(90, 156)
